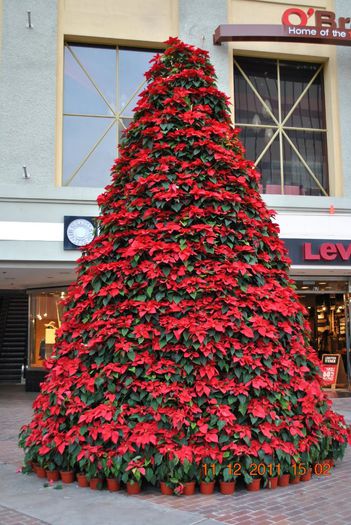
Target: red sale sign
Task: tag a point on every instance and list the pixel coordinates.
(330, 367)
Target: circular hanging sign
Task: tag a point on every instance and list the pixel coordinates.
(80, 232)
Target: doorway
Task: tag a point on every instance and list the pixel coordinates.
(327, 303)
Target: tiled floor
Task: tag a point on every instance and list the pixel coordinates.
(323, 500)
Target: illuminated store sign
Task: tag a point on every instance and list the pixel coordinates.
(326, 28)
(319, 252)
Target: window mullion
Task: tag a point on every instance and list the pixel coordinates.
(269, 111)
(267, 146)
(117, 98)
(90, 152)
(87, 115)
(91, 79)
(299, 128)
(281, 152)
(263, 126)
(135, 92)
(302, 94)
(305, 164)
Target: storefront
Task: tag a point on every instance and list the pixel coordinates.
(327, 301)
(45, 317)
(321, 271)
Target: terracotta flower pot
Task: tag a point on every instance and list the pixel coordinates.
(112, 484)
(307, 476)
(133, 488)
(96, 483)
(67, 476)
(53, 475)
(82, 480)
(227, 487)
(189, 488)
(284, 480)
(272, 483)
(35, 466)
(40, 472)
(254, 485)
(323, 468)
(294, 480)
(165, 489)
(207, 487)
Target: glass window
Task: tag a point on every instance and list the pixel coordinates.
(101, 86)
(279, 106)
(45, 318)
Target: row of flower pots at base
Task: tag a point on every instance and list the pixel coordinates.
(186, 489)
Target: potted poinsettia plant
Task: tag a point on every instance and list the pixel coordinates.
(296, 470)
(83, 463)
(228, 473)
(250, 472)
(273, 472)
(47, 461)
(284, 468)
(95, 474)
(40, 466)
(167, 472)
(306, 461)
(66, 469)
(209, 472)
(66, 459)
(326, 455)
(183, 477)
(134, 471)
(111, 467)
(187, 473)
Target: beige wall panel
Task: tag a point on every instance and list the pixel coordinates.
(121, 20)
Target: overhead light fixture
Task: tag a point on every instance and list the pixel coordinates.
(25, 173)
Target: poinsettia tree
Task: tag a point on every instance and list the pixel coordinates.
(183, 341)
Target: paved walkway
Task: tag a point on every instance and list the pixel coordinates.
(25, 501)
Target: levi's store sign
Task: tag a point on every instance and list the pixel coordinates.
(319, 252)
(307, 25)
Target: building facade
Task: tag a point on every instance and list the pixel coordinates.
(70, 75)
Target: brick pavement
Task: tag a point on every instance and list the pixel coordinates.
(12, 517)
(323, 500)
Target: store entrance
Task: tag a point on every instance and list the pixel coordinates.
(327, 304)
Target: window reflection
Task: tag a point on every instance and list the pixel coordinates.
(101, 86)
(132, 64)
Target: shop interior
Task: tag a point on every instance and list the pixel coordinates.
(45, 318)
(327, 303)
